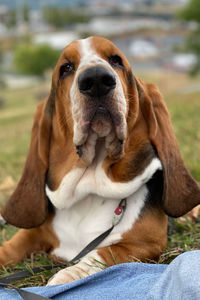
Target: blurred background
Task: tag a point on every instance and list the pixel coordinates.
(161, 39)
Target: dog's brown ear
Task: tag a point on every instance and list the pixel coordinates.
(28, 205)
(181, 192)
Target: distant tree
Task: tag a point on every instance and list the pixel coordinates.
(193, 45)
(25, 12)
(59, 17)
(12, 18)
(192, 13)
(35, 59)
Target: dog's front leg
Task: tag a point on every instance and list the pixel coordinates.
(27, 241)
(88, 265)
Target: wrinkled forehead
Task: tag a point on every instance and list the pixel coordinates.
(90, 51)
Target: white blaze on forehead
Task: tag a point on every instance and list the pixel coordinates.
(89, 55)
(86, 47)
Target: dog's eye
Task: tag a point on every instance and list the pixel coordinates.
(116, 61)
(66, 69)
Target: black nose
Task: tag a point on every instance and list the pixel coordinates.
(96, 81)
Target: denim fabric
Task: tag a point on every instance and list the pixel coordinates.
(136, 281)
(180, 280)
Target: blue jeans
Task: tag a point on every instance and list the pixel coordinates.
(180, 280)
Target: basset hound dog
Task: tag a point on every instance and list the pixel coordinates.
(101, 136)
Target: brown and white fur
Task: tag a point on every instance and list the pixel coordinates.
(126, 149)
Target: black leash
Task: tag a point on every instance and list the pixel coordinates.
(5, 281)
(22, 274)
(25, 294)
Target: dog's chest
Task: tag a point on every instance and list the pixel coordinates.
(84, 221)
(85, 203)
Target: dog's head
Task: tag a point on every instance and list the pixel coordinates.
(94, 95)
(91, 81)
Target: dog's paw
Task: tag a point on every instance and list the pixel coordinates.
(87, 266)
(68, 275)
(61, 277)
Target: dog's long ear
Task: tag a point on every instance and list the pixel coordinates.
(181, 192)
(28, 205)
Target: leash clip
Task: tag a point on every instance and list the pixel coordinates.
(119, 212)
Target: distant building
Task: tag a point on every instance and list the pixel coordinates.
(143, 49)
(57, 40)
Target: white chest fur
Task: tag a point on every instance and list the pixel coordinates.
(85, 202)
(84, 221)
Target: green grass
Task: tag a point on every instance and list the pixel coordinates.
(40, 279)
(183, 237)
(15, 126)
(185, 112)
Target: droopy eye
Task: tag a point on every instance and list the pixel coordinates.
(66, 69)
(116, 61)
